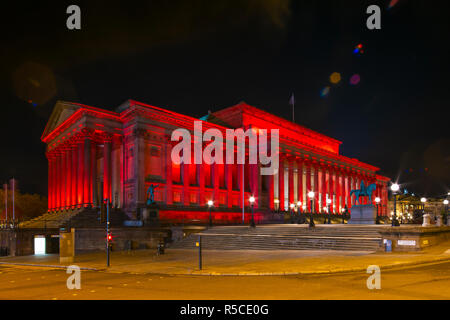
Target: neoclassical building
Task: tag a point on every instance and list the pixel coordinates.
(95, 154)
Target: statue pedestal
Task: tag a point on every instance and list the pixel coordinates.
(150, 215)
(363, 214)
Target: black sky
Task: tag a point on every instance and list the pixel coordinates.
(195, 56)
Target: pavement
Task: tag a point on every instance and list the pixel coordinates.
(237, 263)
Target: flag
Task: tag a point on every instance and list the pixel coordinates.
(292, 100)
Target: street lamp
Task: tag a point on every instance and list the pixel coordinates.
(277, 203)
(210, 204)
(329, 210)
(394, 188)
(292, 206)
(311, 219)
(252, 200)
(299, 205)
(423, 200)
(343, 215)
(446, 209)
(377, 201)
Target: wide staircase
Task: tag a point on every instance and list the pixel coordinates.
(77, 218)
(286, 237)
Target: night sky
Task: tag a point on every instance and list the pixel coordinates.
(195, 56)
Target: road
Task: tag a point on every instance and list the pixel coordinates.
(420, 282)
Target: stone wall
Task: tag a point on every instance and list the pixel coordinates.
(123, 239)
(414, 238)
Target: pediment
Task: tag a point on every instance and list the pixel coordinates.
(62, 111)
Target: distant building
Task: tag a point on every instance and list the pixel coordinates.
(95, 153)
(409, 204)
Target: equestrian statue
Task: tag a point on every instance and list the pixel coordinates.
(363, 191)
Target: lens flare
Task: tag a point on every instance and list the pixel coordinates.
(358, 49)
(335, 77)
(325, 91)
(355, 79)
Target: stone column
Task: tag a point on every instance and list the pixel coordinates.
(201, 183)
(68, 159)
(291, 182)
(50, 181)
(80, 173)
(324, 188)
(308, 186)
(168, 164)
(185, 168)
(63, 178)
(87, 182)
(229, 183)
(93, 182)
(74, 168)
(216, 182)
(331, 188)
(316, 189)
(281, 183)
(338, 191)
(107, 168)
(300, 184)
(58, 179)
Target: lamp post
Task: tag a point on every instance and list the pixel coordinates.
(329, 210)
(394, 188)
(210, 204)
(423, 200)
(299, 205)
(311, 219)
(446, 209)
(277, 204)
(252, 222)
(343, 215)
(377, 201)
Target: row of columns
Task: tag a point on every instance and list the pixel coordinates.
(332, 183)
(253, 182)
(72, 172)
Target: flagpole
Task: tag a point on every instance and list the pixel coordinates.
(293, 108)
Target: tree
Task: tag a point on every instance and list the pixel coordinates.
(27, 206)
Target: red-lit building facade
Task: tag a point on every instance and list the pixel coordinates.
(94, 153)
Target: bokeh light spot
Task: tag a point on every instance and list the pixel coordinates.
(355, 79)
(325, 91)
(335, 77)
(34, 83)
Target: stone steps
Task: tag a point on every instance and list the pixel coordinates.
(285, 237)
(86, 217)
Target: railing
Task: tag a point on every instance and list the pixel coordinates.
(72, 207)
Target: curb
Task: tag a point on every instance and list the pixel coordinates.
(197, 273)
(45, 266)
